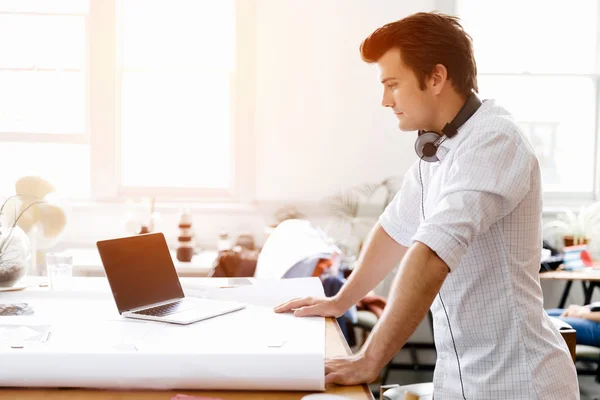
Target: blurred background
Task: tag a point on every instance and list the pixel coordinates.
(234, 115)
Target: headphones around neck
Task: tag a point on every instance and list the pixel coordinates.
(428, 142)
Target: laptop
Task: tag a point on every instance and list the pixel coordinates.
(145, 285)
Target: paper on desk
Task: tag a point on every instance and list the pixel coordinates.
(112, 335)
(11, 334)
(251, 349)
(256, 350)
(560, 324)
(266, 292)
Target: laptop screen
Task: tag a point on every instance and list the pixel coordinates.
(140, 270)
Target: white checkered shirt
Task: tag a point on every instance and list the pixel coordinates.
(483, 206)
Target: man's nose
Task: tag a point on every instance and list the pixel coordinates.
(387, 101)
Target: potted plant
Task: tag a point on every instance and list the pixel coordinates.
(359, 207)
(15, 249)
(576, 228)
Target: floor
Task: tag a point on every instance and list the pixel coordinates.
(589, 389)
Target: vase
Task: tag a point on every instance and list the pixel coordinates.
(15, 255)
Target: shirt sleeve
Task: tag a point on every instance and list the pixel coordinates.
(489, 177)
(400, 218)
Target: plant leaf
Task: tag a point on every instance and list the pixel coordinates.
(344, 204)
(594, 209)
(582, 220)
(367, 189)
(558, 226)
(393, 183)
(570, 216)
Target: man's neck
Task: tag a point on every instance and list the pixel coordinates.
(450, 105)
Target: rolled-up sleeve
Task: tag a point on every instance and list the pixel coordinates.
(400, 218)
(488, 178)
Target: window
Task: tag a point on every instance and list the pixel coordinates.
(176, 80)
(114, 98)
(44, 97)
(539, 59)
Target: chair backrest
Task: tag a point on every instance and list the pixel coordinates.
(235, 264)
(294, 243)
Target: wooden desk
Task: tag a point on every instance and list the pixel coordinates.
(568, 334)
(570, 337)
(335, 346)
(590, 279)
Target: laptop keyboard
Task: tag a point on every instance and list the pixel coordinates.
(166, 309)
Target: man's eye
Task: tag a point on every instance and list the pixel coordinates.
(391, 85)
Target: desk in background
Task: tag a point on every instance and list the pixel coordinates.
(86, 262)
(590, 279)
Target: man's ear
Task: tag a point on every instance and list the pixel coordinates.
(438, 78)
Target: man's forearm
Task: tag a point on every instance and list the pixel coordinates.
(418, 281)
(380, 255)
(591, 316)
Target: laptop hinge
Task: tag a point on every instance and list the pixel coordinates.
(162, 303)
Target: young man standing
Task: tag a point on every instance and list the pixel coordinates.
(466, 228)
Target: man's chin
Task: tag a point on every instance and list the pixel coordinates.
(406, 127)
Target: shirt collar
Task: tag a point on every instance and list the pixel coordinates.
(445, 146)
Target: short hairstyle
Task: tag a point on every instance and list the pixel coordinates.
(425, 40)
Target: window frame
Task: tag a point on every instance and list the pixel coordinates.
(58, 138)
(103, 107)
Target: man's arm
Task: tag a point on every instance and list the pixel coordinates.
(583, 312)
(591, 316)
(418, 281)
(380, 255)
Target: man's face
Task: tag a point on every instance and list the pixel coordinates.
(413, 107)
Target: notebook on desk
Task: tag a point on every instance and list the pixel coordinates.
(145, 285)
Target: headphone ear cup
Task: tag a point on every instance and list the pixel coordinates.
(425, 147)
(429, 150)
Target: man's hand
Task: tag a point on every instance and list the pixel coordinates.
(583, 311)
(313, 307)
(575, 310)
(351, 370)
(570, 311)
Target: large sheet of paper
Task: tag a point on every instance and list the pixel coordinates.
(78, 339)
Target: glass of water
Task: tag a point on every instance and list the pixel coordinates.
(60, 270)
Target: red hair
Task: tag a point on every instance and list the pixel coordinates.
(425, 40)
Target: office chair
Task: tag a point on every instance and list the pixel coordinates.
(588, 360)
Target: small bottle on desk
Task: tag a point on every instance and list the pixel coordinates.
(224, 243)
(185, 240)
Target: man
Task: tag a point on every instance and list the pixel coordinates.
(465, 226)
(584, 319)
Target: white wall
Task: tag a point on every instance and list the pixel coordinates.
(319, 122)
(319, 125)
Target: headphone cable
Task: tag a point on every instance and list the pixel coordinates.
(439, 293)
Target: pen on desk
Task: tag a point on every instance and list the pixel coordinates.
(46, 336)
